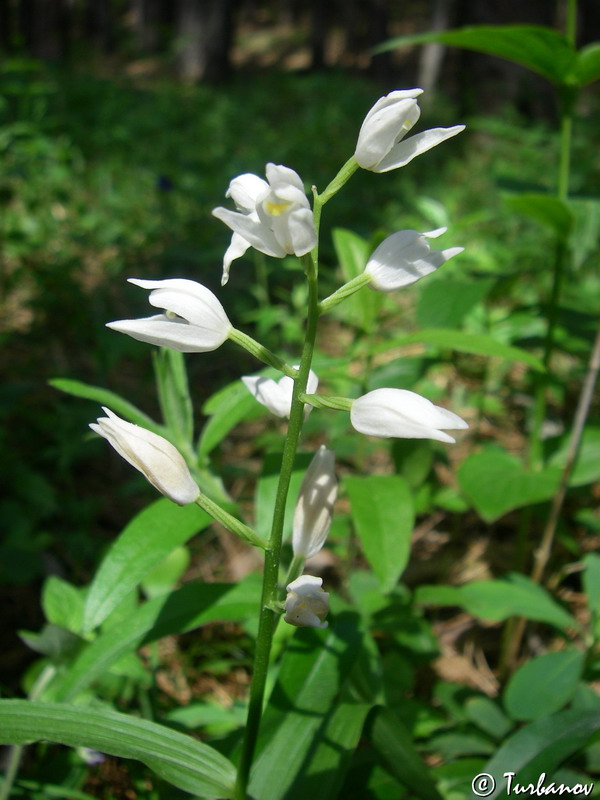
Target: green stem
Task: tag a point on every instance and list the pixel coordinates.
(270, 594)
(261, 352)
(230, 522)
(343, 292)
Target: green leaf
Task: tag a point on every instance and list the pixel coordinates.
(185, 609)
(353, 252)
(543, 685)
(63, 604)
(164, 576)
(488, 716)
(544, 208)
(383, 514)
(587, 464)
(496, 483)
(314, 669)
(174, 393)
(266, 492)
(587, 65)
(104, 397)
(395, 747)
(498, 600)
(540, 49)
(475, 343)
(541, 747)
(143, 544)
(445, 302)
(591, 581)
(182, 761)
(226, 408)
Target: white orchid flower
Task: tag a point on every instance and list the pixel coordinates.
(403, 415)
(156, 458)
(404, 257)
(306, 604)
(194, 322)
(314, 509)
(273, 216)
(276, 396)
(381, 146)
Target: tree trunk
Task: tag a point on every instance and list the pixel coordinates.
(205, 31)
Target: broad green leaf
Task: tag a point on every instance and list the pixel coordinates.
(488, 716)
(475, 343)
(395, 747)
(332, 753)
(314, 670)
(383, 514)
(266, 492)
(104, 397)
(498, 600)
(353, 252)
(173, 393)
(63, 604)
(544, 208)
(217, 720)
(587, 65)
(496, 483)
(541, 747)
(543, 685)
(143, 544)
(225, 409)
(587, 464)
(540, 49)
(192, 605)
(35, 790)
(182, 761)
(458, 745)
(591, 581)
(166, 574)
(444, 302)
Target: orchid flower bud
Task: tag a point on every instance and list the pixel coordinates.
(306, 604)
(380, 146)
(314, 509)
(277, 395)
(273, 216)
(404, 257)
(156, 458)
(404, 415)
(194, 322)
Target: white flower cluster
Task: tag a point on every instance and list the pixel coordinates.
(274, 216)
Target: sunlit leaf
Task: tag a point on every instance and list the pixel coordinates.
(179, 759)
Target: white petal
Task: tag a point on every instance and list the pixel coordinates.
(270, 394)
(156, 458)
(245, 190)
(190, 300)
(402, 414)
(386, 124)
(236, 249)
(162, 331)
(278, 174)
(314, 509)
(403, 258)
(303, 236)
(254, 232)
(407, 149)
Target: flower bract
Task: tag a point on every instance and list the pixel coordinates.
(194, 322)
(156, 458)
(404, 257)
(276, 396)
(381, 145)
(273, 216)
(306, 604)
(402, 414)
(314, 509)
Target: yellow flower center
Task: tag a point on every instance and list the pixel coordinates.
(276, 209)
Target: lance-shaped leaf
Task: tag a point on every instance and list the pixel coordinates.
(185, 762)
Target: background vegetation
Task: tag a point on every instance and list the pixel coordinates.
(119, 132)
